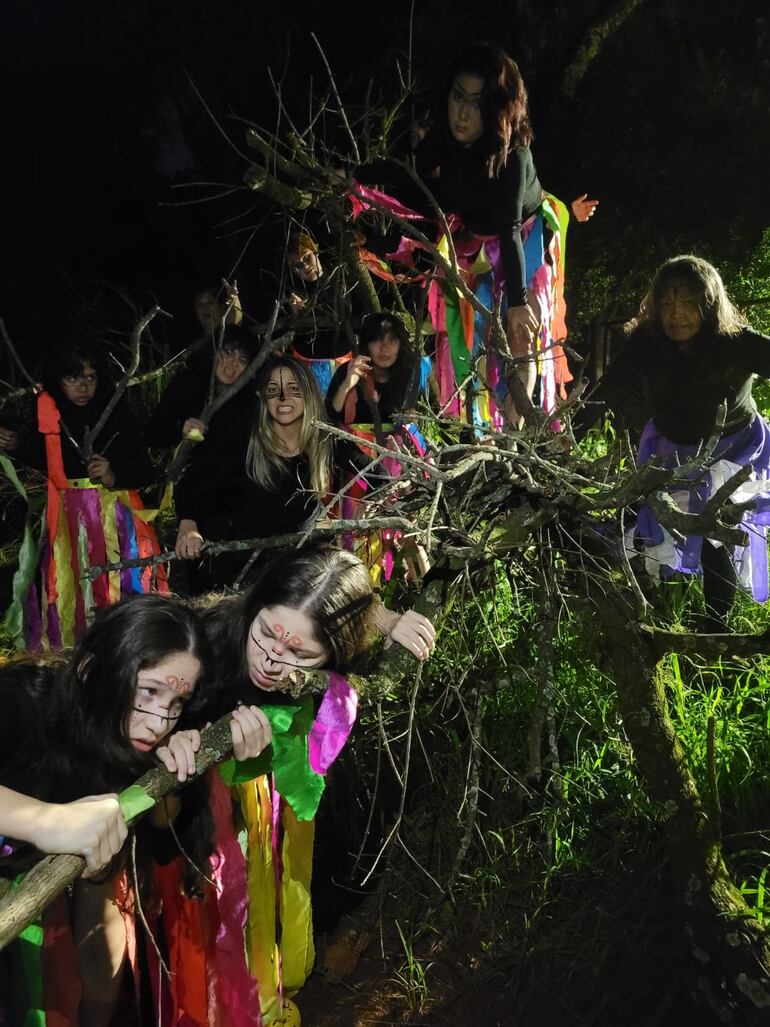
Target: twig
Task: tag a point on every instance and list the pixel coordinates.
(341, 109)
(15, 357)
(403, 458)
(715, 812)
(432, 517)
(92, 434)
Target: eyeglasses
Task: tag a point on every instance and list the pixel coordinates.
(307, 260)
(72, 381)
(168, 716)
(275, 391)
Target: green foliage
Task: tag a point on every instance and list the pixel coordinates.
(411, 976)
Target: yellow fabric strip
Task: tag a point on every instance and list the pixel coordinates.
(297, 950)
(107, 502)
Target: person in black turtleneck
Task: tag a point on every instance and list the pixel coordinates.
(320, 338)
(179, 409)
(76, 381)
(690, 352)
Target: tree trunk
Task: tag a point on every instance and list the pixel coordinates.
(730, 948)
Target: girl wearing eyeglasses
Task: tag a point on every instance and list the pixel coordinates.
(94, 723)
(93, 514)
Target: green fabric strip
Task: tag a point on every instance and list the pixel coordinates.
(24, 575)
(458, 347)
(295, 780)
(134, 800)
(556, 216)
(27, 975)
(286, 758)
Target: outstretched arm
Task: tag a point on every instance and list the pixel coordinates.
(92, 827)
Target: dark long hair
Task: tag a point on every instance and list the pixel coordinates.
(720, 316)
(94, 695)
(376, 326)
(83, 704)
(330, 586)
(70, 358)
(504, 107)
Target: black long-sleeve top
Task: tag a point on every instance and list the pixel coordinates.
(390, 400)
(682, 386)
(257, 512)
(488, 206)
(121, 442)
(185, 396)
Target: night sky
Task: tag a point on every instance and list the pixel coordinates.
(669, 128)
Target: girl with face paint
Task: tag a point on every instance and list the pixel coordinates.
(95, 723)
(689, 352)
(308, 609)
(93, 514)
(288, 465)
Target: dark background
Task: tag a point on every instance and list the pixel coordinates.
(103, 132)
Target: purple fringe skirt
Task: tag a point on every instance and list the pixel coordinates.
(666, 555)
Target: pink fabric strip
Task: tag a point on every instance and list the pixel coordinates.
(333, 723)
(363, 193)
(237, 991)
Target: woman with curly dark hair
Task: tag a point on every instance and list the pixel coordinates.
(508, 234)
(690, 354)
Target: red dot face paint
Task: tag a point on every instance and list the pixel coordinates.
(282, 635)
(178, 684)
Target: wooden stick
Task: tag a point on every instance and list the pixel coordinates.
(276, 542)
(53, 874)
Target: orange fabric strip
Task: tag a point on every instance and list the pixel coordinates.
(49, 425)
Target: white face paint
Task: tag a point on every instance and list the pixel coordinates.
(159, 697)
(281, 639)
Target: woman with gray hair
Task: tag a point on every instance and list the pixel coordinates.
(693, 356)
